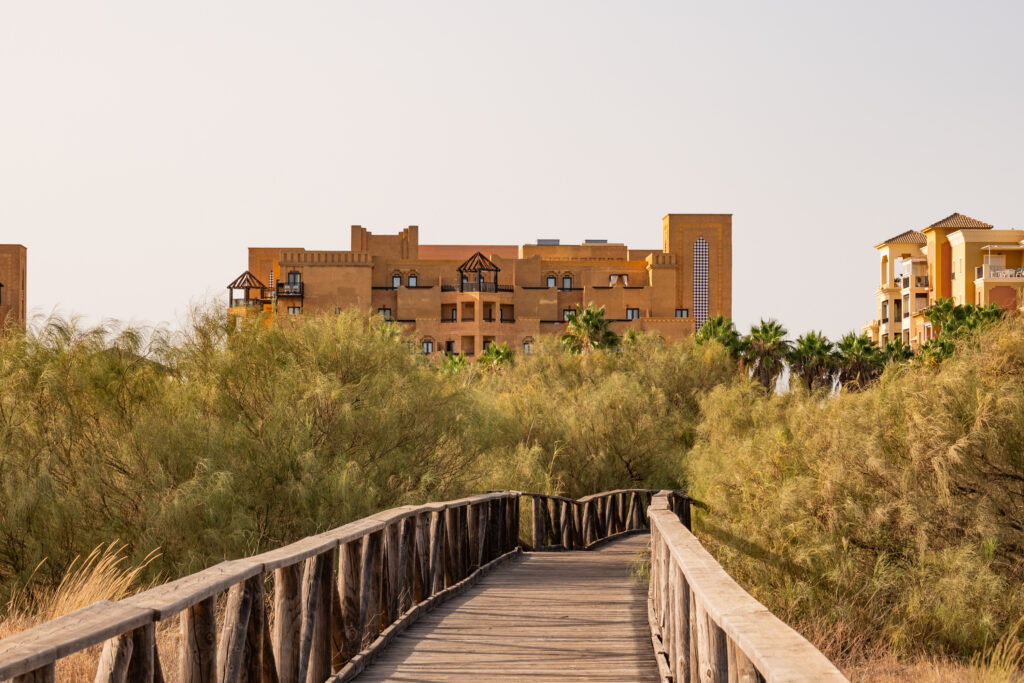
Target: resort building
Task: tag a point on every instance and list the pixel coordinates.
(13, 268)
(459, 298)
(958, 257)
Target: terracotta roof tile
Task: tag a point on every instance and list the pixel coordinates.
(958, 220)
(908, 237)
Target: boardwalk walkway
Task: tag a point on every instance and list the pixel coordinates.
(547, 616)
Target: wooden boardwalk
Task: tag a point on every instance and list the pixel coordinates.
(547, 616)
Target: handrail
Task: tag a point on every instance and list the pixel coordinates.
(338, 597)
(561, 523)
(706, 627)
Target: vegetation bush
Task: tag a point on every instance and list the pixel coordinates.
(218, 441)
(895, 512)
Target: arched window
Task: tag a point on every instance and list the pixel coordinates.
(428, 345)
(567, 281)
(413, 280)
(528, 346)
(700, 282)
(396, 280)
(551, 280)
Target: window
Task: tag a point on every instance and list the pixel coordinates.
(454, 312)
(449, 346)
(1, 293)
(528, 346)
(632, 313)
(386, 312)
(396, 281)
(294, 310)
(700, 281)
(294, 277)
(428, 346)
(682, 312)
(337, 309)
(567, 282)
(551, 280)
(413, 280)
(567, 314)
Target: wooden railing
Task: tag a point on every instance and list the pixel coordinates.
(561, 523)
(338, 598)
(708, 629)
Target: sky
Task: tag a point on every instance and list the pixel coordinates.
(144, 146)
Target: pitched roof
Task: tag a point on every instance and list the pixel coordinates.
(476, 263)
(908, 237)
(246, 281)
(958, 220)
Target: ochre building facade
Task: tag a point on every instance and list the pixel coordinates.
(13, 283)
(959, 258)
(458, 298)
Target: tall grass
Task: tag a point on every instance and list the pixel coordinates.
(894, 514)
(886, 524)
(222, 441)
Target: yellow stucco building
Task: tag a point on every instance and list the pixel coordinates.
(957, 257)
(13, 283)
(459, 298)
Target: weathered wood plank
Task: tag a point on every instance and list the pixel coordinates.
(36, 647)
(370, 617)
(547, 616)
(287, 615)
(114, 660)
(198, 662)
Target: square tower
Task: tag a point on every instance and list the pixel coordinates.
(13, 282)
(702, 245)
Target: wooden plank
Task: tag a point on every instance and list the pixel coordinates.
(36, 647)
(252, 654)
(437, 554)
(142, 668)
(231, 647)
(287, 614)
(725, 610)
(319, 667)
(113, 664)
(547, 616)
(422, 586)
(198, 663)
(370, 617)
(171, 598)
(348, 582)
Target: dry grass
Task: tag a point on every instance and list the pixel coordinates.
(102, 575)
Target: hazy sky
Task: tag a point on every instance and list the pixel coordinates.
(144, 146)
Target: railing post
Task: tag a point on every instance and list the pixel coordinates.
(555, 507)
(423, 580)
(199, 642)
(369, 588)
(231, 648)
(451, 546)
(437, 534)
(143, 664)
(540, 533)
(407, 562)
(392, 539)
(566, 525)
(286, 622)
(349, 563)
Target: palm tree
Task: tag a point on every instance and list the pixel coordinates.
(897, 351)
(495, 356)
(812, 359)
(720, 329)
(587, 330)
(860, 360)
(765, 350)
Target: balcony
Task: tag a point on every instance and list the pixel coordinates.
(918, 281)
(239, 303)
(289, 289)
(987, 271)
(477, 287)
